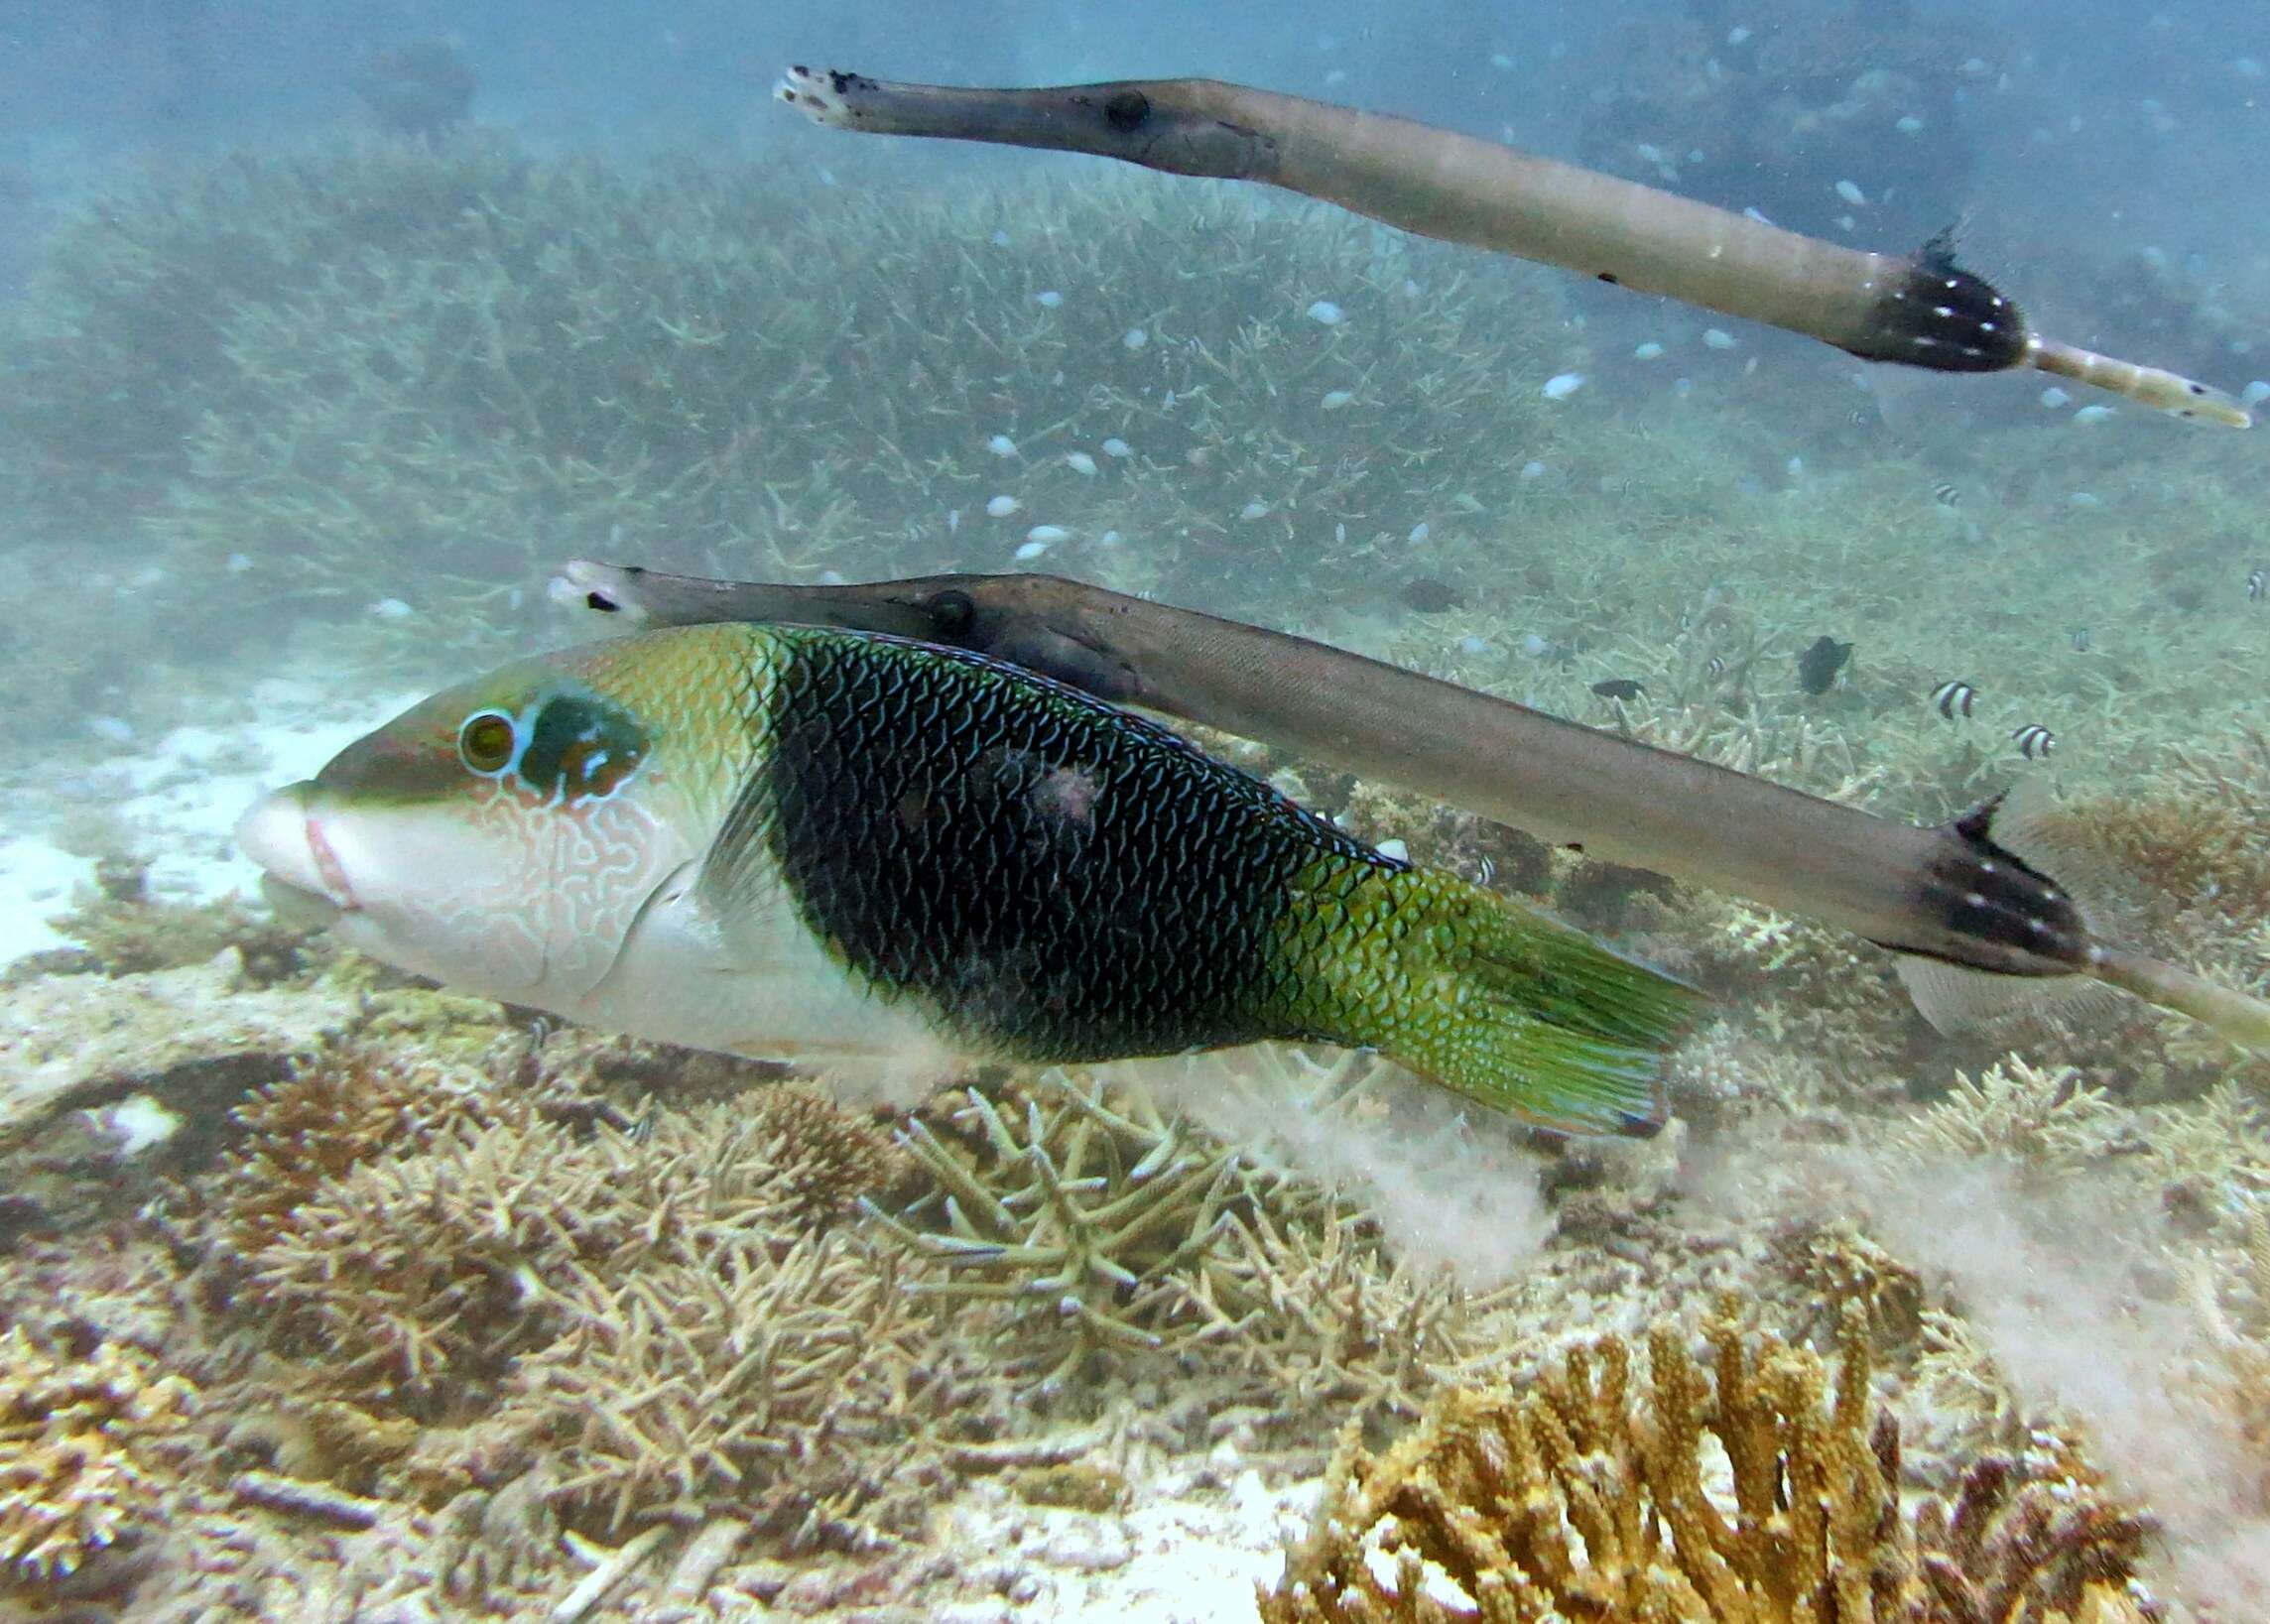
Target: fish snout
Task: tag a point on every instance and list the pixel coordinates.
(300, 876)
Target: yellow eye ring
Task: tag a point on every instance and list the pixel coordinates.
(485, 741)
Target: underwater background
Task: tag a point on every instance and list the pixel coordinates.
(328, 334)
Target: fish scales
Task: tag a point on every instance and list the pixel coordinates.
(1063, 887)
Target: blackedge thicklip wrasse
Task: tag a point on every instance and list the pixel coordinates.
(886, 859)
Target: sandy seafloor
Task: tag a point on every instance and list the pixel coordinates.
(174, 796)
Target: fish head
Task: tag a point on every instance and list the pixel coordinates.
(502, 836)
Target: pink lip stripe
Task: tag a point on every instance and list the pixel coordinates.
(328, 865)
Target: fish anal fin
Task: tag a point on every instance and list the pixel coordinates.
(1955, 998)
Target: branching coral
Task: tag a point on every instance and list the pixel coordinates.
(1079, 1214)
(76, 1438)
(1316, 1310)
(1752, 1487)
(340, 1107)
(2039, 1115)
(429, 1268)
(746, 1373)
(422, 353)
(123, 929)
(1808, 988)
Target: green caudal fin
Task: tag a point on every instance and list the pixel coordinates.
(1514, 1010)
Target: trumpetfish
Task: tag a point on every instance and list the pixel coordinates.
(1975, 927)
(1919, 311)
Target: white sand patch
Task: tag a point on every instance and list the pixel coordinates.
(1191, 1553)
(174, 802)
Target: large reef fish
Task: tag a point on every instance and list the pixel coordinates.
(1979, 931)
(1921, 310)
(876, 855)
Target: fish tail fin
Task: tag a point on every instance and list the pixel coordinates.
(2025, 826)
(2161, 390)
(1512, 1009)
(2240, 1017)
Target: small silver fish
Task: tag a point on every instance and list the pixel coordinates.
(2257, 585)
(2033, 740)
(1954, 698)
(2080, 640)
(1947, 494)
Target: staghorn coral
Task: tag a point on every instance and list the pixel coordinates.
(1316, 1313)
(77, 1436)
(420, 1272)
(627, 1070)
(1442, 837)
(339, 1107)
(2196, 864)
(2044, 1116)
(1842, 1271)
(696, 352)
(1808, 988)
(1095, 1232)
(1751, 1488)
(1078, 1215)
(121, 930)
(750, 1374)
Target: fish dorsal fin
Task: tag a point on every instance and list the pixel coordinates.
(2026, 822)
(2023, 824)
(1938, 251)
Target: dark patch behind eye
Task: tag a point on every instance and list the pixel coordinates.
(582, 746)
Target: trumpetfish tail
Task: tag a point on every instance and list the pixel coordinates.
(2238, 1016)
(2151, 385)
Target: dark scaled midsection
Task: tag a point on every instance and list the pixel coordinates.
(1051, 879)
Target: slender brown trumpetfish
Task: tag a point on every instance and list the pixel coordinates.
(1975, 926)
(1920, 309)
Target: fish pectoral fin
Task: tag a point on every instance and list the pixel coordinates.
(667, 894)
(739, 875)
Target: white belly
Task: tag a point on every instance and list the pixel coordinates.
(762, 987)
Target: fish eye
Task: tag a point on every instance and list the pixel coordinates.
(485, 741)
(951, 611)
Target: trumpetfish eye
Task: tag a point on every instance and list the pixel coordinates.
(486, 741)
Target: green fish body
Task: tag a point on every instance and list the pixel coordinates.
(832, 847)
